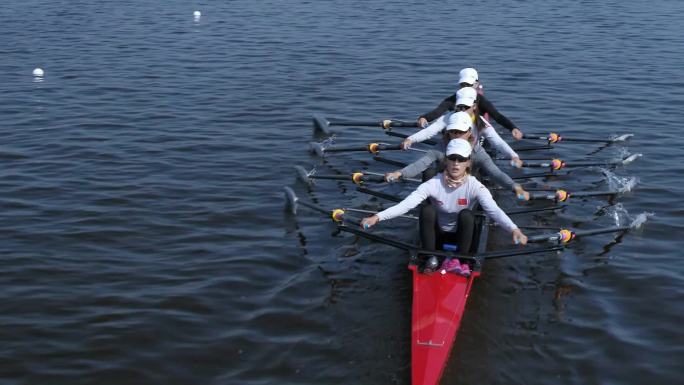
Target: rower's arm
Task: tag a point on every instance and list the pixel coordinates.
(428, 132)
(485, 106)
(446, 105)
(410, 202)
(493, 211)
(495, 140)
(421, 164)
(485, 162)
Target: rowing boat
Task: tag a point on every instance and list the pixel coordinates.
(438, 305)
(439, 298)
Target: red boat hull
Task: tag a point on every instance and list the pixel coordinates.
(439, 301)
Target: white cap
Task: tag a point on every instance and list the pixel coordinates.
(460, 121)
(466, 96)
(467, 75)
(459, 147)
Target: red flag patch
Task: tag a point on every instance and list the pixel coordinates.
(462, 201)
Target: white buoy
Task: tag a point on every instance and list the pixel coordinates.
(197, 14)
(38, 72)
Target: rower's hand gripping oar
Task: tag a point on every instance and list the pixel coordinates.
(553, 137)
(321, 124)
(338, 216)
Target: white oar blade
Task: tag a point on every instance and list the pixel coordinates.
(622, 138)
(631, 159)
(321, 124)
(290, 200)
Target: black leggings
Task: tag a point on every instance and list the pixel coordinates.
(432, 236)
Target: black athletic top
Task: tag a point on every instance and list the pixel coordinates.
(484, 107)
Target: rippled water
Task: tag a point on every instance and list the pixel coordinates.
(143, 233)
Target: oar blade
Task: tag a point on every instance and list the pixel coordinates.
(622, 138)
(631, 159)
(303, 175)
(317, 149)
(321, 124)
(290, 200)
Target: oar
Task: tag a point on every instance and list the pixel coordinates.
(392, 162)
(338, 216)
(533, 148)
(519, 251)
(536, 175)
(566, 235)
(357, 177)
(557, 164)
(321, 124)
(389, 197)
(553, 137)
(400, 135)
(373, 148)
(562, 195)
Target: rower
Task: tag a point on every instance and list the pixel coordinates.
(468, 77)
(453, 194)
(460, 126)
(466, 100)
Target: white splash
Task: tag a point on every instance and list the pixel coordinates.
(328, 142)
(641, 219)
(622, 184)
(618, 213)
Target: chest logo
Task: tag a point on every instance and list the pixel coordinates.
(462, 201)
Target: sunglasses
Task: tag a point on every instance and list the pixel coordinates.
(462, 107)
(457, 158)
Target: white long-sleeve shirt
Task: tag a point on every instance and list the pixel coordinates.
(488, 133)
(450, 201)
(491, 136)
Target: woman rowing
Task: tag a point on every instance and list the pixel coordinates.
(466, 100)
(460, 126)
(468, 77)
(453, 194)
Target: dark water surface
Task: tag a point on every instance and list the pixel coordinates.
(143, 239)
